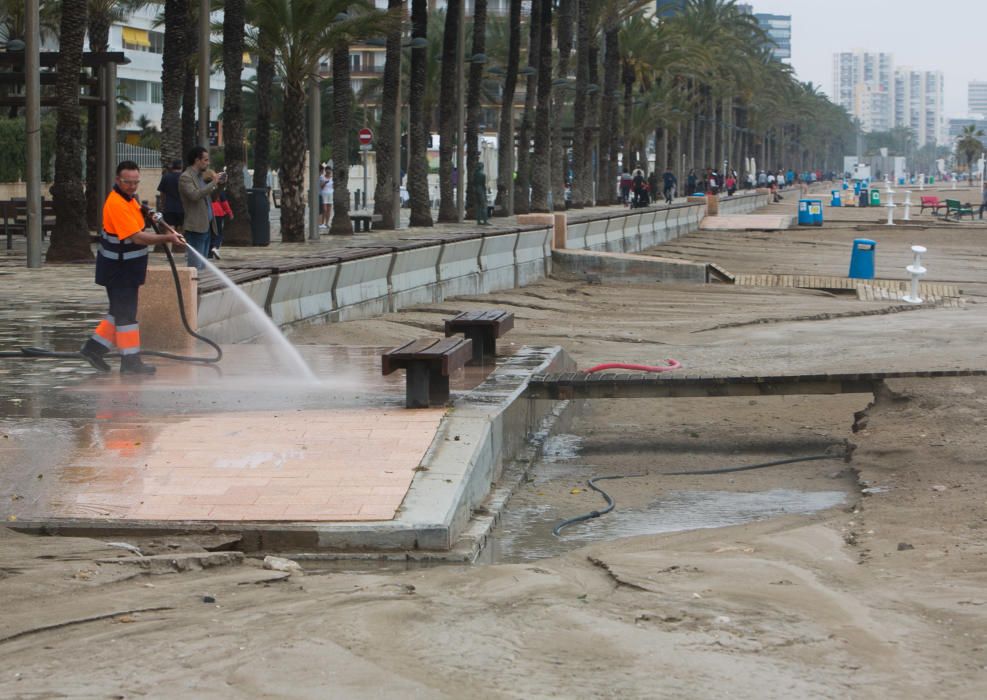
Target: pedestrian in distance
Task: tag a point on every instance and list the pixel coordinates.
(669, 182)
(121, 268)
(169, 201)
(480, 195)
(221, 213)
(326, 194)
(691, 182)
(196, 185)
(983, 201)
(626, 181)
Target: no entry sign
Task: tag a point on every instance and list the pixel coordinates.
(366, 137)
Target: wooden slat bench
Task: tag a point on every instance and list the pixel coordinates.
(954, 207)
(13, 214)
(483, 328)
(429, 362)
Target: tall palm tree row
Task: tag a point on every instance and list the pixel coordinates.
(696, 87)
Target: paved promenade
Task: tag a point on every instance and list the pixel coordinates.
(246, 442)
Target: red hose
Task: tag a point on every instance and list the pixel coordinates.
(672, 364)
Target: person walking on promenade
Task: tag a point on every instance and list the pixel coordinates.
(691, 182)
(653, 185)
(669, 182)
(625, 186)
(221, 213)
(326, 192)
(170, 203)
(983, 201)
(196, 185)
(480, 195)
(121, 267)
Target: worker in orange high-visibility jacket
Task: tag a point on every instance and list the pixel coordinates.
(121, 267)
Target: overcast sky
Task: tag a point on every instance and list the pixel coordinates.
(945, 35)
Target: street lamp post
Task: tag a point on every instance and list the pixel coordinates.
(314, 153)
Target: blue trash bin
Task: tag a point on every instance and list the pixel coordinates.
(856, 189)
(845, 185)
(862, 259)
(816, 211)
(836, 200)
(805, 218)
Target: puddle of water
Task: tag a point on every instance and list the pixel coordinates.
(525, 533)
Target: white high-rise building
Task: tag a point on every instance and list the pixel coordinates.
(863, 84)
(918, 104)
(976, 98)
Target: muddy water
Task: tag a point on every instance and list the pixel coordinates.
(646, 440)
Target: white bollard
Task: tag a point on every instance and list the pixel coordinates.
(954, 183)
(890, 206)
(908, 205)
(915, 270)
(921, 181)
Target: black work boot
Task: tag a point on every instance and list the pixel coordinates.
(93, 352)
(132, 364)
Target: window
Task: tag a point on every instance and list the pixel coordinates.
(133, 90)
(356, 62)
(157, 42)
(136, 39)
(156, 95)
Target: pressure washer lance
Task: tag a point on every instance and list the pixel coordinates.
(157, 222)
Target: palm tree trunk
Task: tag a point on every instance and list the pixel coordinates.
(237, 230)
(262, 132)
(505, 134)
(591, 133)
(342, 117)
(292, 173)
(448, 211)
(418, 135)
(473, 104)
(560, 160)
(522, 185)
(387, 148)
(541, 162)
(609, 123)
(70, 238)
(173, 79)
(580, 153)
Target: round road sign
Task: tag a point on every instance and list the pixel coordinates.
(366, 136)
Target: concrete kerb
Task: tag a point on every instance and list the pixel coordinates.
(413, 276)
(485, 430)
(222, 315)
(458, 268)
(301, 294)
(497, 262)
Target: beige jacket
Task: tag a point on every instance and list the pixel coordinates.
(196, 200)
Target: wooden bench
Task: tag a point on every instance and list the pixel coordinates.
(13, 213)
(953, 206)
(483, 328)
(364, 222)
(932, 203)
(429, 362)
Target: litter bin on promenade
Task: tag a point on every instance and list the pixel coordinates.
(810, 212)
(862, 259)
(259, 209)
(875, 197)
(836, 200)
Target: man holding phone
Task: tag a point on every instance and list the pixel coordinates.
(195, 186)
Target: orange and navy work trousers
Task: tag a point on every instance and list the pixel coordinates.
(119, 328)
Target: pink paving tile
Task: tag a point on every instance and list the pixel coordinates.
(298, 465)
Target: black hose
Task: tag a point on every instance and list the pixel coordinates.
(611, 504)
(45, 353)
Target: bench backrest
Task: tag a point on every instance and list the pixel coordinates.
(930, 200)
(953, 203)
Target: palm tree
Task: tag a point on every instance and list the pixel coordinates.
(560, 159)
(541, 165)
(173, 60)
(265, 90)
(474, 86)
(447, 115)
(418, 131)
(522, 183)
(302, 32)
(505, 134)
(237, 230)
(387, 149)
(969, 144)
(70, 238)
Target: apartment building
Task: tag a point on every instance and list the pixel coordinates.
(864, 85)
(918, 104)
(976, 98)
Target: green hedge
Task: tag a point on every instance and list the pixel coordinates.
(13, 148)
